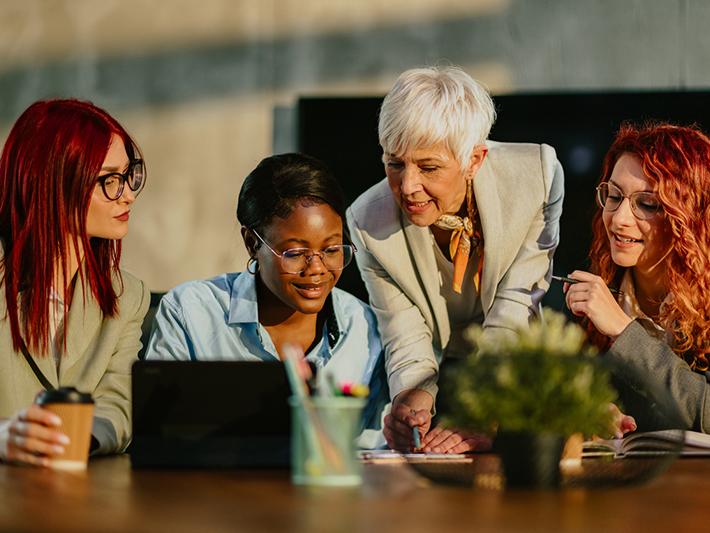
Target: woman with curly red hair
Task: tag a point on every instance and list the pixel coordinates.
(651, 239)
(69, 174)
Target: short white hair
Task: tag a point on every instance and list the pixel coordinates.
(430, 105)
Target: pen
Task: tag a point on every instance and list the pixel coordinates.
(415, 436)
(572, 281)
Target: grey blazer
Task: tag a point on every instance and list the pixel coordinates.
(656, 386)
(519, 191)
(98, 359)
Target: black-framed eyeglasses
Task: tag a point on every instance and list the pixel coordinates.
(644, 205)
(296, 260)
(112, 184)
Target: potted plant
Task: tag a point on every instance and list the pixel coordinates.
(532, 391)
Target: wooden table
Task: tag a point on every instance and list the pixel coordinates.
(112, 497)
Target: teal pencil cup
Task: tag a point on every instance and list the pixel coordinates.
(323, 431)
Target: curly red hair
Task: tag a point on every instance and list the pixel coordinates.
(677, 160)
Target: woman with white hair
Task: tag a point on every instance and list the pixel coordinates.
(461, 232)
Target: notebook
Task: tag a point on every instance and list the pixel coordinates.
(210, 414)
(651, 443)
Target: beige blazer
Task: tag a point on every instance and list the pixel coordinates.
(519, 191)
(98, 359)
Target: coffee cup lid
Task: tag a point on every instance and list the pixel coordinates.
(63, 395)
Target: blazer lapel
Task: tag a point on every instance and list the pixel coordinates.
(420, 244)
(83, 319)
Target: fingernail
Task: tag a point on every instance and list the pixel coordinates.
(55, 420)
(58, 450)
(63, 439)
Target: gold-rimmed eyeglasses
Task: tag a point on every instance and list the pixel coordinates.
(644, 205)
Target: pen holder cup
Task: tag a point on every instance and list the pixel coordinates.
(323, 433)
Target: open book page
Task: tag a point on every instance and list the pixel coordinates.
(688, 443)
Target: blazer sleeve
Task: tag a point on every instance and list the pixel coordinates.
(522, 287)
(671, 391)
(112, 396)
(410, 361)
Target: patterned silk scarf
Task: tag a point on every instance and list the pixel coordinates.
(465, 235)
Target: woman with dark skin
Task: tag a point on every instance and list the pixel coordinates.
(291, 210)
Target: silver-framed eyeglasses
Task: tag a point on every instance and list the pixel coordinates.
(112, 184)
(296, 260)
(644, 205)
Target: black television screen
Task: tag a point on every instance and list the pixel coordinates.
(580, 126)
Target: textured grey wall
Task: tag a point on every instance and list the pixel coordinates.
(202, 84)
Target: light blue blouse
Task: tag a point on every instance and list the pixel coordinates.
(218, 319)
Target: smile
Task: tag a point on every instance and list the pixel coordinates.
(415, 207)
(623, 239)
(311, 290)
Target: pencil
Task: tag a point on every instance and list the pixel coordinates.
(572, 281)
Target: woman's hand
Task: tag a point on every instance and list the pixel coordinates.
(442, 440)
(622, 423)
(411, 408)
(32, 437)
(592, 298)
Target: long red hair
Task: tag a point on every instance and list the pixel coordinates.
(677, 160)
(48, 171)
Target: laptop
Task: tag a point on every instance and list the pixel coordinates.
(210, 414)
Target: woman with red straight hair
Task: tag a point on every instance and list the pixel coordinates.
(69, 174)
(651, 240)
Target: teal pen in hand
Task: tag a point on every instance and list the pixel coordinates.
(415, 436)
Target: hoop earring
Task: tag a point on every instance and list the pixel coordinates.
(253, 261)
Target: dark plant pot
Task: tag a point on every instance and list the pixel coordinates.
(530, 459)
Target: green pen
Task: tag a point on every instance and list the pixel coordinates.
(415, 436)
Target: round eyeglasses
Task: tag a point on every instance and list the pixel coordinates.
(112, 184)
(644, 205)
(296, 260)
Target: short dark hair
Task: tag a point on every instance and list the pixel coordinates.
(280, 182)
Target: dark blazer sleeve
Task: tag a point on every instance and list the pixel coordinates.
(666, 392)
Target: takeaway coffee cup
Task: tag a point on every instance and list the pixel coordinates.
(76, 409)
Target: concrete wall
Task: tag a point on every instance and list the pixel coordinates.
(199, 83)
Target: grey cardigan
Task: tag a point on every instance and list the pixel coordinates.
(98, 359)
(656, 386)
